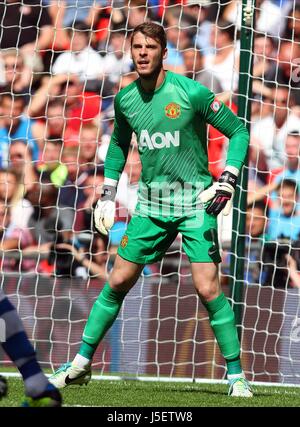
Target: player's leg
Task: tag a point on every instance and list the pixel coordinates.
(201, 246)
(222, 321)
(106, 308)
(38, 390)
(103, 314)
(145, 242)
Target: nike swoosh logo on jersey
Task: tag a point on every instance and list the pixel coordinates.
(68, 380)
(133, 114)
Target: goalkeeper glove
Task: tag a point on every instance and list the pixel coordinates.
(221, 193)
(104, 212)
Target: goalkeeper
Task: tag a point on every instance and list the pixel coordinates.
(168, 113)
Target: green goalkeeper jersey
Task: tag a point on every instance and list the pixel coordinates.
(170, 125)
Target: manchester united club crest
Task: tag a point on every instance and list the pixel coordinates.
(172, 110)
(124, 241)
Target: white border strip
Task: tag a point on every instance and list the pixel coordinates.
(166, 380)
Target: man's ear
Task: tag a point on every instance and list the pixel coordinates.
(165, 53)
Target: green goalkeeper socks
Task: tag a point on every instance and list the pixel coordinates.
(104, 312)
(222, 321)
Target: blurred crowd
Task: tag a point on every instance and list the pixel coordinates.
(61, 65)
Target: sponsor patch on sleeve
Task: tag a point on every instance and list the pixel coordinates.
(215, 105)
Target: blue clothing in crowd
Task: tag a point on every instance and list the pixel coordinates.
(280, 225)
(22, 133)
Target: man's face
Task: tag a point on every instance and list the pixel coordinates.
(281, 99)
(255, 222)
(55, 119)
(288, 58)
(117, 42)
(51, 154)
(8, 184)
(192, 61)
(263, 48)
(78, 41)
(73, 90)
(71, 162)
(147, 56)
(292, 146)
(19, 155)
(11, 110)
(88, 144)
(13, 68)
(288, 200)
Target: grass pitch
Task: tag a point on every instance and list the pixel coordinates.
(159, 394)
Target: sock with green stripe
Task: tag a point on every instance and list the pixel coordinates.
(103, 314)
(222, 321)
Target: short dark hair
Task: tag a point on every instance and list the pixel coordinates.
(16, 96)
(23, 142)
(152, 30)
(226, 27)
(54, 141)
(258, 204)
(81, 27)
(55, 103)
(289, 183)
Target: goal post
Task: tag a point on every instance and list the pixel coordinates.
(240, 199)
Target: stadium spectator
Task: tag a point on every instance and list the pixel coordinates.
(256, 223)
(136, 12)
(12, 194)
(261, 107)
(79, 106)
(20, 158)
(224, 62)
(70, 193)
(26, 26)
(52, 125)
(177, 41)
(294, 273)
(265, 57)
(292, 25)
(284, 216)
(88, 261)
(17, 76)
(194, 69)
(90, 187)
(48, 219)
(271, 131)
(15, 125)
(71, 11)
(12, 238)
(81, 59)
(117, 61)
(285, 71)
(269, 16)
(199, 11)
(291, 169)
(51, 162)
(89, 143)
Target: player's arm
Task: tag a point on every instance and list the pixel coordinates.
(220, 194)
(104, 212)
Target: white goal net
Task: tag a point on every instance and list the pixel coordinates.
(61, 64)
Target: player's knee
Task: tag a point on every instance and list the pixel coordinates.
(120, 281)
(208, 291)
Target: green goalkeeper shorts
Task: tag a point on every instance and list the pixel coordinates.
(147, 239)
